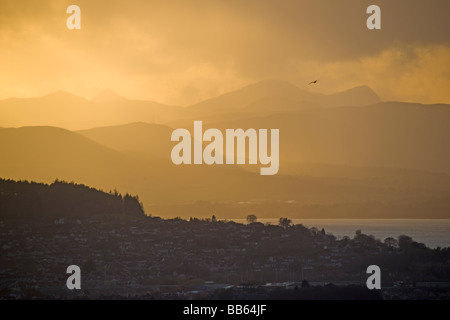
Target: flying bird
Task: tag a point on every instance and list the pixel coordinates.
(315, 81)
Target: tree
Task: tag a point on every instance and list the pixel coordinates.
(213, 218)
(284, 222)
(404, 242)
(391, 242)
(251, 218)
(132, 206)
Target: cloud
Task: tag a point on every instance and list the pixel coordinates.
(416, 74)
(179, 52)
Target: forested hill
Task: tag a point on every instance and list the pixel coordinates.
(38, 201)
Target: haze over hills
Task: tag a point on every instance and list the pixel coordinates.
(47, 153)
(137, 138)
(108, 95)
(61, 109)
(365, 158)
(72, 112)
(388, 134)
(358, 96)
(268, 89)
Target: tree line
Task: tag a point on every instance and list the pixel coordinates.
(39, 201)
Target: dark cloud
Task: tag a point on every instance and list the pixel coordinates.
(165, 48)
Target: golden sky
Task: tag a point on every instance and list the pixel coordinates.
(183, 51)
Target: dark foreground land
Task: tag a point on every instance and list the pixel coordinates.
(129, 255)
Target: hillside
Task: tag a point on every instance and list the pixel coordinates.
(38, 201)
(240, 100)
(65, 110)
(388, 134)
(385, 160)
(137, 138)
(46, 153)
(61, 109)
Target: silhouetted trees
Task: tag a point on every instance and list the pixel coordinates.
(132, 205)
(284, 222)
(251, 218)
(38, 201)
(404, 242)
(391, 242)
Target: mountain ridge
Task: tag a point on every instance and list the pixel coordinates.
(270, 88)
(107, 95)
(169, 190)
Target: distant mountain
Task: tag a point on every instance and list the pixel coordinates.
(286, 93)
(107, 95)
(135, 138)
(55, 108)
(68, 111)
(359, 96)
(389, 134)
(387, 159)
(239, 99)
(46, 153)
(55, 97)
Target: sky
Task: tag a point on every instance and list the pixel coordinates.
(180, 52)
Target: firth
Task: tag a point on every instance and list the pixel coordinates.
(213, 153)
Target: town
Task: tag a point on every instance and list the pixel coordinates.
(149, 257)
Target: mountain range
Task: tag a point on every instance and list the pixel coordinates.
(61, 109)
(345, 155)
(65, 110)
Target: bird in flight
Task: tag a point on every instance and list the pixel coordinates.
(315, 81)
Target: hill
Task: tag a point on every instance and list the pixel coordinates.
(61, 109)
(46, 153)
(240, 100)
(38, 201)
(388, 159)
(107, 95)
(65, 110)
(388, 134)
(358, 97)
(137, 138)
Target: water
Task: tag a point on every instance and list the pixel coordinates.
(432, 232)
